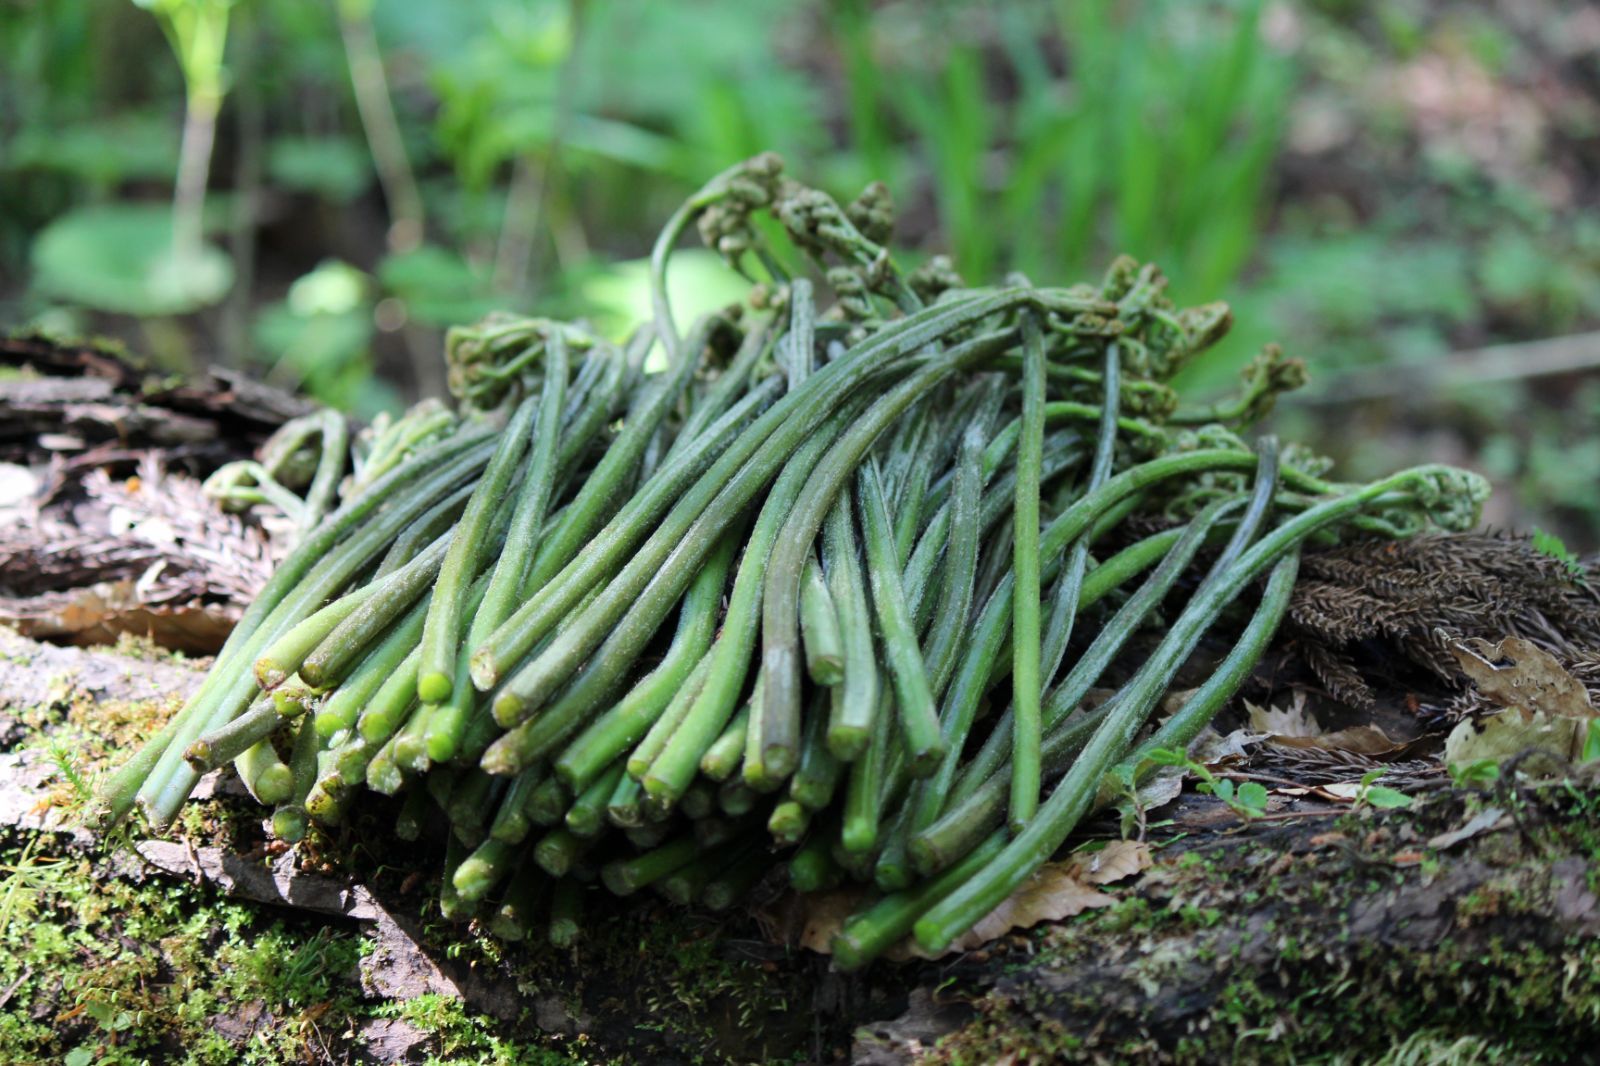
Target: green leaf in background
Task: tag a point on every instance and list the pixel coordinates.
(118, 257)
(336, 168)
(698, 282)
(1253, 795)
(134, 146)
(321, 337)
(438, 287)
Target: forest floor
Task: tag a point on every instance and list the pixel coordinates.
(1460, 928)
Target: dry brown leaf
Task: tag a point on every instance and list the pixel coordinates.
(1058, 890)
(1291, 721)
(1161, 788)
(1517, 673)
(1211, 749)
(1115, 861)
(1356, 740)
(1053, 893)
(1488, 820)
(825, 914)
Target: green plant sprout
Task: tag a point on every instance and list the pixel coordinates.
(1380, 796)
(198, 33)
(1248, 799)
(1474, 773)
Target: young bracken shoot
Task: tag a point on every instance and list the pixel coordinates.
(827, 594)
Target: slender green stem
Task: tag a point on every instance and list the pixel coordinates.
(944, 643)
(919, 722)
(587, 815)
(780, 613)
(722, 758)
(855, 699)
(532, 504)
(443, 632)
(819, 627)
(1026, 686)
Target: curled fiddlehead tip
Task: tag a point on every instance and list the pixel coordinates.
(821, 228)
(1451, 497)
(1268, 376)
(1298, 456)
(1148, 399)
(934, 278)
(730, 200)
(851, 291)
(1204, 326)
(1432, 497)
(1185, 498)
(501, 355)
(1120, 278)
(1205, 437)
(872, 212)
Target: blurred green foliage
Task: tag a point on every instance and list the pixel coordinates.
(1368, 183)
(546, 140)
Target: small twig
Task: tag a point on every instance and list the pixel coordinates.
(1283, 782)
(5, 997)
(1278, 816)
(1481, 366)
(371, 85)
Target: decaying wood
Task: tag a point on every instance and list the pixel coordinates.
(103, 528)
(1307, 937)
(33, 672)
(148, 555)
(1242, 939)
(85, 405)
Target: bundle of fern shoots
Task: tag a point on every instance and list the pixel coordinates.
(883, 585)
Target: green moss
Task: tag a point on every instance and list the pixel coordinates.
(137, 646)
(105, 970)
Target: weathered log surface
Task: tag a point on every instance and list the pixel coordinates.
(93, 404)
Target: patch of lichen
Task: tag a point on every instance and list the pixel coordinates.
(1294, 975)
